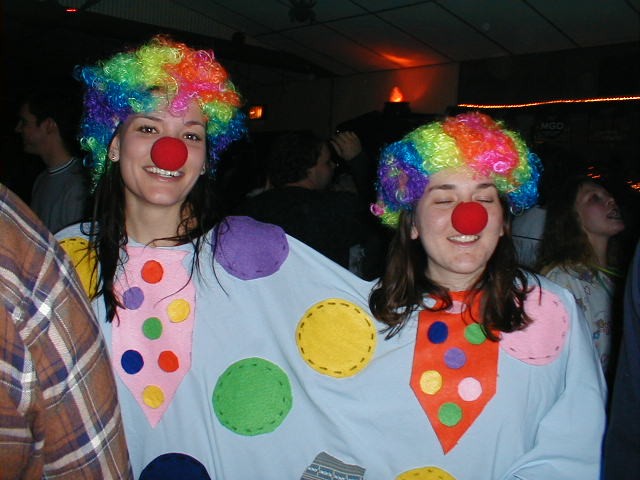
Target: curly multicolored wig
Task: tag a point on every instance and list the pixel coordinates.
(469, 140)
(137, 81)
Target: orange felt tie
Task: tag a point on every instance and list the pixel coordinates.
(454, 369)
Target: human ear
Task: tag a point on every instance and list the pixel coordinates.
(414, 232)
(114, 149)
(50, 125)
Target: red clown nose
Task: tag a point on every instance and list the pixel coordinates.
(469, 218)
(169, 153)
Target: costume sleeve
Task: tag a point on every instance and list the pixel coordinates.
(568, 440)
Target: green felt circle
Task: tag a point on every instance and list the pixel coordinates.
(450, 414)
(474, 334)
(152, 328)
(253, 396)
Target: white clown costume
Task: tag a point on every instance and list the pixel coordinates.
(269, 365)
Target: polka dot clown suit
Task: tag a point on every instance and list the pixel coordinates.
(267, 364)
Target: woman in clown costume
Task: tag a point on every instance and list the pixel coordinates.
(502, 369)
(241, 353)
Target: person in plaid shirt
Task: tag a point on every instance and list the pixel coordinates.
(59, 415)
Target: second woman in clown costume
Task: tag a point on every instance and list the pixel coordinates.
(241, 353)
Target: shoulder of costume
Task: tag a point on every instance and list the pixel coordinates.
(550, 309)
(75, 230)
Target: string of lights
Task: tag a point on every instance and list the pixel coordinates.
(551, 102)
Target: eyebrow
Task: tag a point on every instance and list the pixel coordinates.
(453, 186)
(159, 119)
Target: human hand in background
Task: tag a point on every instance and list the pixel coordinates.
(346, 145)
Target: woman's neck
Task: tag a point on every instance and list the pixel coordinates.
(599, 244)
(150, 225)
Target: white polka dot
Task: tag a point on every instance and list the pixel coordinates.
(469, 389)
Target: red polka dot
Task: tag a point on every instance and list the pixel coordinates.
(152, 271)
(168, 361)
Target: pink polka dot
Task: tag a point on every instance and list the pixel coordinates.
(469, 389)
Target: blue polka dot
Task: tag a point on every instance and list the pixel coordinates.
(174, 465)
(133, 298)
(132, 362)
(455, 358)
(438, 332)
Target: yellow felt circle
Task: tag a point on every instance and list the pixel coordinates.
(153, 396)
(431, 382)
(336, 338)
(426, 473)
(178, 310)
(83, 260)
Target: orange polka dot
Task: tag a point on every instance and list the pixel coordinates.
(152, 271)
(168, 361)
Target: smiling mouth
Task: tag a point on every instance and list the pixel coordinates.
(163, 173)
(464, 238)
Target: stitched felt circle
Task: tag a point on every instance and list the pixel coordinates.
(336, 338)
(253, 396)
(248, 249)
(426, 473)
(78, 252)
(174, 465)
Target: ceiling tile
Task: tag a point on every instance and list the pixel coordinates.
(597, 23)
(513, 25)
(443, 32)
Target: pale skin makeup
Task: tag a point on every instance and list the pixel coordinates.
(154, 197)
(455, 260)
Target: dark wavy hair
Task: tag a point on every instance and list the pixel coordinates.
(291, 155)
(404, 285)
(108, 236)
(62, 105)
(564, 242)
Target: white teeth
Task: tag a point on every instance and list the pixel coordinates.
(163, 173)
(465, 238)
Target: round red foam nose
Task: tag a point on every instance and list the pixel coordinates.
(469, 218)
(169, 153)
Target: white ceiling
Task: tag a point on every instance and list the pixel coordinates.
(357, 36)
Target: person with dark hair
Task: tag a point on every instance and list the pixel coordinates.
(575, 253)
(240, 352)
(58, 415)
(48, 123)
(502, 367)
(300, 169)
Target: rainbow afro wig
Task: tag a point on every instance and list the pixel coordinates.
(137, 81)
(469, 140)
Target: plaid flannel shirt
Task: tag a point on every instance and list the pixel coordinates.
(59, 416)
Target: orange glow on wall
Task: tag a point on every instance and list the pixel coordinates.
(396, 95)
(256, 112)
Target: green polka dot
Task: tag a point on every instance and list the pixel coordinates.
(449, 414)
(251, 397)
(152, 328)
(474, 334)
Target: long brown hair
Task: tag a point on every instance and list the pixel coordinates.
(404, 285)
(564, 242)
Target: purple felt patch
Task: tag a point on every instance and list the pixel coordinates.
(248, 249)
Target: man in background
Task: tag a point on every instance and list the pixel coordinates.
(48, 122)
